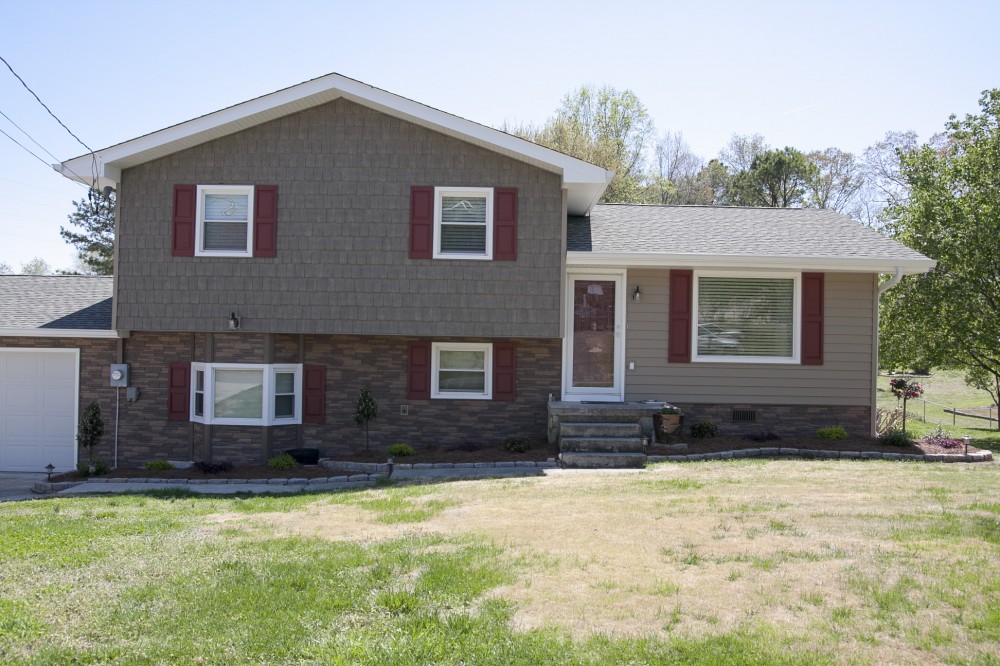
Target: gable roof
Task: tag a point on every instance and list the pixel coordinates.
(732, 237)
(69, 306)
(584, 182)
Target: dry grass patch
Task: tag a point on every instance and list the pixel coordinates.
(834, 550)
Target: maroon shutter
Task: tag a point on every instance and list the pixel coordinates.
(505, 224)
(812, 319)
(504, 371)
(314, 394)
(265, 221)
(418, 378)
(185, 200)
(421, 222)
(179, 392)
(679, 325)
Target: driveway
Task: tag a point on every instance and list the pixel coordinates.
(17, 485)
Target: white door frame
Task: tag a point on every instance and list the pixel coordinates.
(615, 393)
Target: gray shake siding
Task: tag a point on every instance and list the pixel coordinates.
(343, 174)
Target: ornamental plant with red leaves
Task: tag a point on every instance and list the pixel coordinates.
(905, 389)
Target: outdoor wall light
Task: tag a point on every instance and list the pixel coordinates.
(234, 321)
(637, 295)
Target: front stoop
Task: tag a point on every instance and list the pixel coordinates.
(596, 460)
(597, 445)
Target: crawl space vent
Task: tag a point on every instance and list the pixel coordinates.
(744, 416)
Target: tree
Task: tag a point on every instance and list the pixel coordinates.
(775, 179)
(91, 429)
(676, 177)
(603, 126)
(837, 181)
(5, 268)
(95, 215)
(366, 411)
(883, 183)
(950, 315)
(742, 150)
(36, 266)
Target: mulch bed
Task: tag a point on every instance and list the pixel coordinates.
(238, 472)
(716, 444)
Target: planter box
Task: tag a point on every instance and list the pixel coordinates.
(667, 425)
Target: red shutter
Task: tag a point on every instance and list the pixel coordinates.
(679, 325)
(812, 319)
(504, 370)
(179, 392)
(185, 200)
(418, 376)
(421, 222)
(505, 224)
(265, 221)
(314, 394)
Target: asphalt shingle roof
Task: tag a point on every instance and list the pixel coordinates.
(731, 231)
(55, 302)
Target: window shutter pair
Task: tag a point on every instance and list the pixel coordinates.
(504, 223)
(313, 393)
(681, 307)
(418, 379)
(265, 220)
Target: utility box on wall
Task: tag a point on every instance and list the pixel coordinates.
(119, 374)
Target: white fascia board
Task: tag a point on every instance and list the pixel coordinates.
(57, 333)
(733, 262)
(312, 93)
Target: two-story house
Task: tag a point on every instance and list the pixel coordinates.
(274, 257)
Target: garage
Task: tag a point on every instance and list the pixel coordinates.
(39, 398)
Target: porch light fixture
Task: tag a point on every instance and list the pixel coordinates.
(234, 321)
(636, 295)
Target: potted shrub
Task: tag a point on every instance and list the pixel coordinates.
(667, 422)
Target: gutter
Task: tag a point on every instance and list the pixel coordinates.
(891, 282)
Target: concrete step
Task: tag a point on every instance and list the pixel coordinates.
(579, 460)
(602, 444)
(575, 429)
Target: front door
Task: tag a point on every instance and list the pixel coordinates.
(594, 337)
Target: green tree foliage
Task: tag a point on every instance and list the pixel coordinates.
(36, 266)
(836, 182)
(603, 126)
(366, 410)
(775, 179)
(95, 217)
(91, 429)
(952, 214)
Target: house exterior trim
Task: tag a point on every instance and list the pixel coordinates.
(740, 262)
(56, 333)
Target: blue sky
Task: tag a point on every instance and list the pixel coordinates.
(809, 75)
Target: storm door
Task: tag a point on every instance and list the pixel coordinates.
(594, 340)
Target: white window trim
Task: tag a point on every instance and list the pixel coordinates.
(440, 192)
(199, 249)
(438, 347)
(796, 318)
(269, 380)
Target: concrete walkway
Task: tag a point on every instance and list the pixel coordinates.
(16, 486)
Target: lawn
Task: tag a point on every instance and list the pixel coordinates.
(742, 562)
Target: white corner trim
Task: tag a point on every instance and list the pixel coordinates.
(57, 333)
(738, 262)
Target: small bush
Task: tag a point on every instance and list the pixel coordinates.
(704, 430)
(895, 438)
(282, 462)
(401, 450)
(100, 467)
(158, 465)
(832, 432)
(516, 444)
(206, 467)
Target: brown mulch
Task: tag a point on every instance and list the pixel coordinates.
(238, 472)
(717, 444)
(540, 451)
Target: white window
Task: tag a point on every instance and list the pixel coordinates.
(746, 318)
(463, 223)
(462, 370)
(246, 394)
(224, 221)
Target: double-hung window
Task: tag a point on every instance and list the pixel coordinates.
(747, 318)
(463, 223)
(462, 370)
(224, 220)
(246, 394)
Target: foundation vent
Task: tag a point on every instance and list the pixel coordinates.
(744, 416)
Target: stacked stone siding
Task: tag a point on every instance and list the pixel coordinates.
(783, 420)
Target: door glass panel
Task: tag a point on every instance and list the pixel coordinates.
(594, 333)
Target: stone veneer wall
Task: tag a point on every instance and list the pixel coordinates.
(783, 420)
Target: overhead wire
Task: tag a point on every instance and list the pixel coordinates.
(33, 140)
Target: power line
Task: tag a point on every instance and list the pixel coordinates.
(27, 150)
(29, 136)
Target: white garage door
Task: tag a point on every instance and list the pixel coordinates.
(38, 409)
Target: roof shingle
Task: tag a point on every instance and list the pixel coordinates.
(70, 302)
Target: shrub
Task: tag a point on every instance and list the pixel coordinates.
(669, 410)
(516, 444)
(704, 430)
(100, 467)
(158, 465)
(896, 438)
(206, 467)
(90, 430)
(282, 462)
(401, 450)
(887, 420)
(832, 432)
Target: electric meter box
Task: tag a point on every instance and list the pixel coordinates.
(119, 374)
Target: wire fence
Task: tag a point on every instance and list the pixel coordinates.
(933, 412)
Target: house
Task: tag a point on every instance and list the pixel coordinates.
(276, 256)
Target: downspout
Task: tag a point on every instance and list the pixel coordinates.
(891, 282)
(882, 288)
